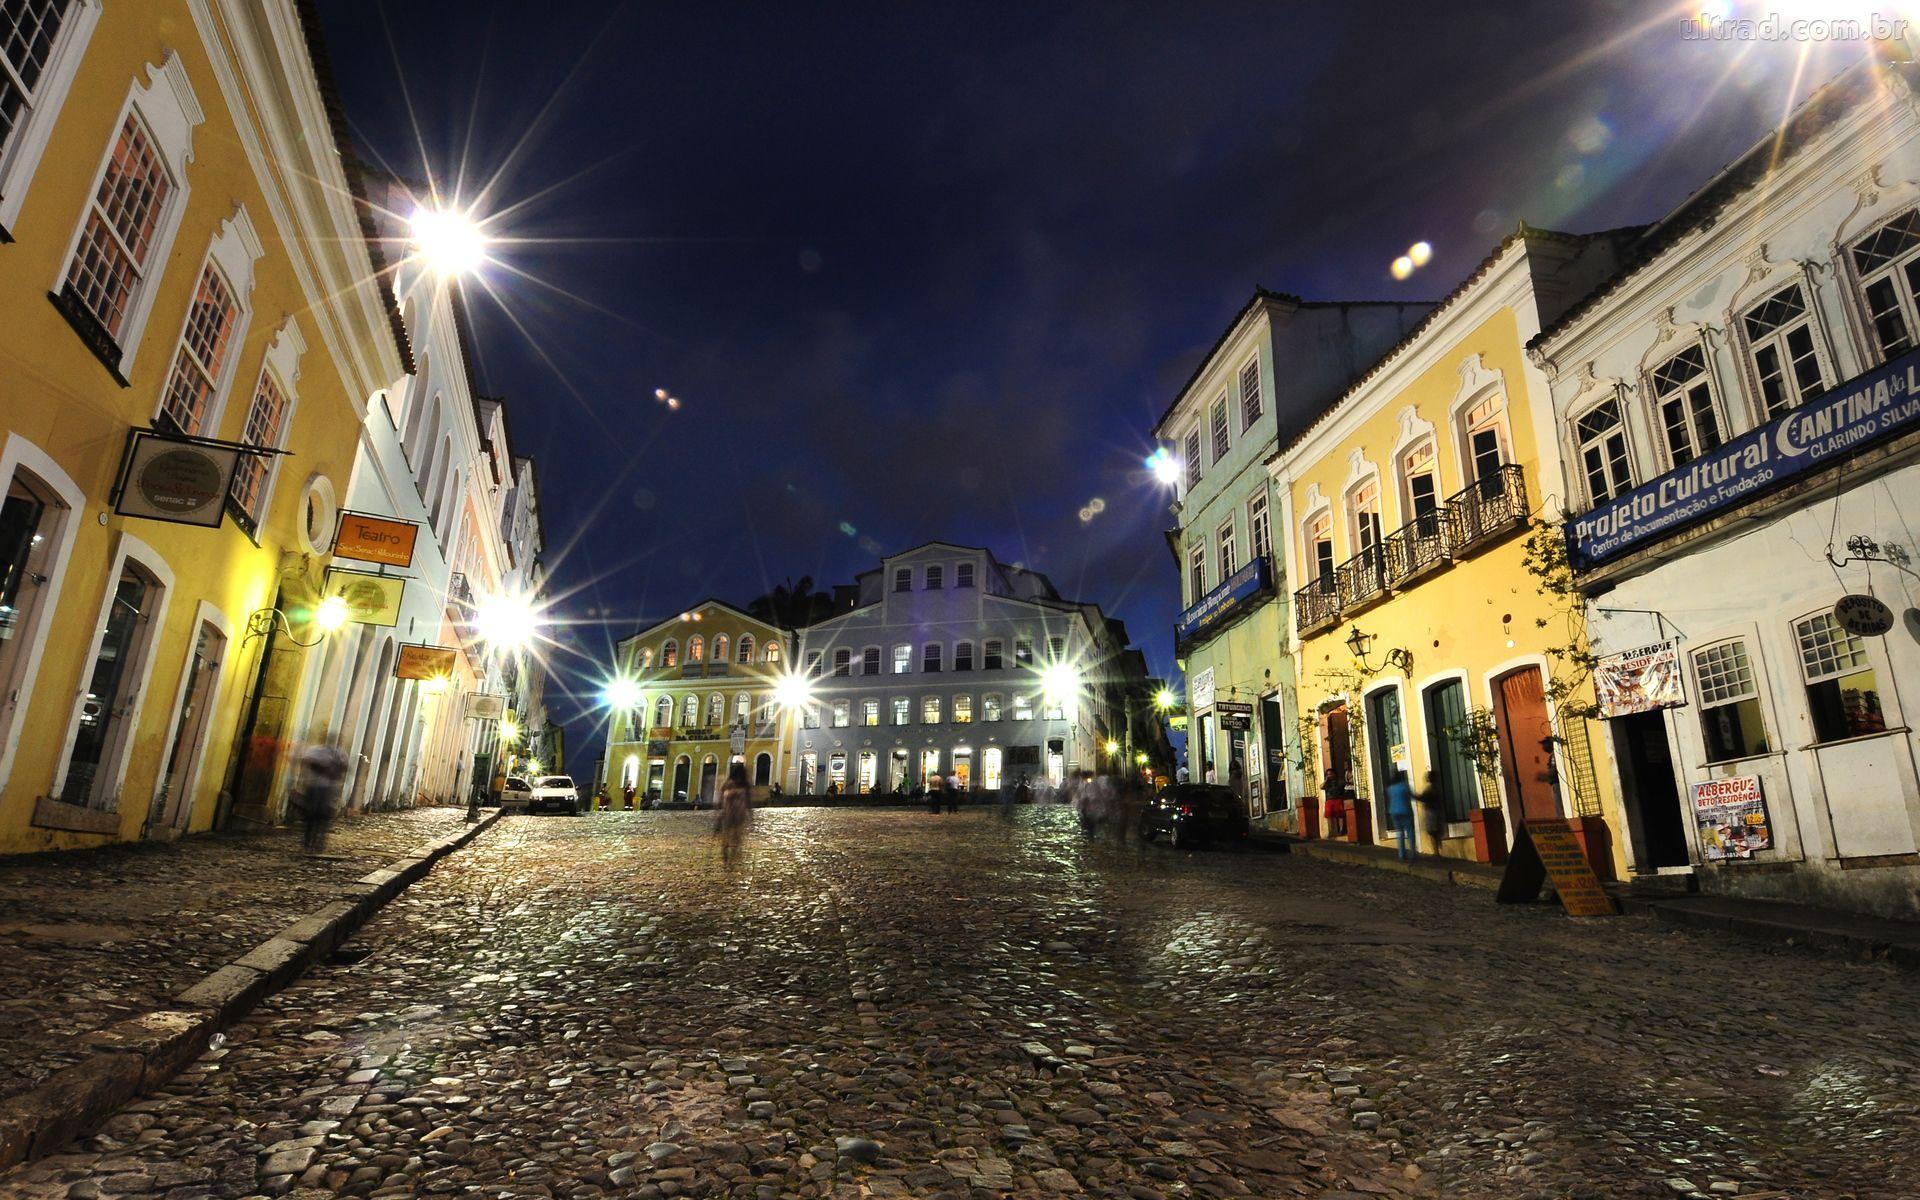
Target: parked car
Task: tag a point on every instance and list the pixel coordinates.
(1194, 814)
(516, 794)
(554, 793)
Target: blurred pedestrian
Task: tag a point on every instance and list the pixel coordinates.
(626, 794)
(953, 792)
(1400, 812)
(935, 784)
(734, 813)
(1023, 794)
(1181, 776)
(322, 768)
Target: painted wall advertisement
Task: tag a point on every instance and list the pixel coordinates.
(1876, 405)
(1639, 680)
(1732, 816)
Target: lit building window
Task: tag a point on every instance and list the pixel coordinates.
(902, 659)
(111, 259)
(990, 707)
(1022, 707)
(902, 710)
(720, 647)
(930, 710)
(266, 421)
(1843, 694)
(869, 712)
(696, 648)
(962, 710)
(746, 648)
(202, 353)
(842, 714)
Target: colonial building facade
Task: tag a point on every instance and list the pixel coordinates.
(1280, 361)
(949, 662)
(1737, 411)
(1425, 644)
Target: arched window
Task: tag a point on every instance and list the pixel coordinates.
(1484, 437)
(720, 647)
(669, 653)
(1420, 487)
(772, 653)
(716, 710)
(742, 705)
(762, 770)
(843, 662)
(696, 649)
(646, 658)
(693, 711)
(663, 712)
(746, 647)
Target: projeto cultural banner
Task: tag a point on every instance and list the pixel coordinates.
(1637, 681)
(1872, 406)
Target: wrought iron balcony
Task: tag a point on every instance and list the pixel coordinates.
(1362, 579)
(1421, 545)
(1316, 606)
(459, 591)
(1488, 508)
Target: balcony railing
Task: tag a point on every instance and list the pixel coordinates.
(1362, 578)
(1488, 508)
(459, 590)
(1419, 546)
(1316, 605)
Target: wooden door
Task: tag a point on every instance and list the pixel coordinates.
(1526, 734)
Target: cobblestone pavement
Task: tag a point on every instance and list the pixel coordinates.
(897, 1004)
(90, 937)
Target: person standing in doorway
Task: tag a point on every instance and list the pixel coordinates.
(1400, 812)
(323, 766)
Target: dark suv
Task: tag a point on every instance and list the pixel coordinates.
(1194, 814)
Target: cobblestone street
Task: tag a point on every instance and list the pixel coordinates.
(898, 1004)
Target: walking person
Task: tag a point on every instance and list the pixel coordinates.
(734, 813)
(953, 793)
(1400, 811)
(323, 766)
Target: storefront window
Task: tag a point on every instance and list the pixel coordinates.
(1842, 694)
(869, 770)
(1729, 702)
(837, 770)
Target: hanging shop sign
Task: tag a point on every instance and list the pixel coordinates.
(165, 477)
(1863, 616)
(418, 661)
(371, 599)
(368, 538)
(1200, 688)
(1639, 680)
(1234, 715)
(1732, 817)
(1233, 594)
(486, 706)
(1871, 407)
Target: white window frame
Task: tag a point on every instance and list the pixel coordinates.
(1227, 547)
(1196, 573)
(963, 574)
(902, 658)
(231, 254)
(870, 707)
(20, 157)
(1777, 342)
(1580, 447)
(901, 708)
(871, 654)
(1220, 429)
(66, 501)
(1715, 402)
(1895, 271)
(1191, 451)
(903, 579)
(166, 106)
(931, 656)
(1259, 527)
(282, 365)
(1250, 414)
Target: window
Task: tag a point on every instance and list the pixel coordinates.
(930, 657)
(809, 771)
(1780, 338)
(903, 579)
(930, 710)
(870, 661)
(646, 658)
(1486, 432)
(1259, 530)
(990, 707)
(869, 770)
(1420, 477)
(1056, 649)
(809, 716)
(1249, 394)
(1363, 516)
(963, 575)
(266, 422)
(110, 703)
(663, 712)
(36, 66)
(670, 653)
(1022, 707)
(772, 652)
(1228, 559)
(746, 648)
(902, 711)
(842, 713)
(197, 365)
(842, 663)
(963, 656)
(720, 647)
(693, 712)
(1193, 458)
(1053, 708)
(1683, 399)
(936, 577)
(1196, 574)
(990, 652)
(1603, 452)
(1843, 696)
(813, 663)
(902, 659)
(117, 237)
(1320, 549)
(716, 711)
(1729, 702)
(1888, 260)
(742, 707)
(1022, 652)
(962, 710)
(696, 649)
(1220, 442)
(869, 712)
(837, 770)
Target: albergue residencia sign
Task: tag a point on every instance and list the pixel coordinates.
(1866, 409)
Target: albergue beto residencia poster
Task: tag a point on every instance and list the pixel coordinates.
(1732, 816)
(1641, 680)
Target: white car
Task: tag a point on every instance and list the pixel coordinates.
(516, 793)
(554, 792)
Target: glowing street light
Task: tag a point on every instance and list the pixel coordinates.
(1113, 748)
(507, 622)
(1165, 700)
(793, 690)
(1060, 682)
(509, 730)
(330, 616)
(448, 241)
(1164, 466)
(621, 694)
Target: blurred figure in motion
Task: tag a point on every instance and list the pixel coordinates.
(626, 794)
(935, 785)
(322, 767)
(733, 814)
(953, 792)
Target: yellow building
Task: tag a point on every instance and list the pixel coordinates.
(181, 270)
(1425, 642)
(705, 699)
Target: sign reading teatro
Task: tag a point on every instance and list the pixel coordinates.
(373, 539)
(1877, 405)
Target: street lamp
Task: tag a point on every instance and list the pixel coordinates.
(621, 694)
(331, 614)
(1165, 700)
(1163, 466)
(448, 241)
(506, 621)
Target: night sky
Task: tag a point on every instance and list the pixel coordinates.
(932, 270)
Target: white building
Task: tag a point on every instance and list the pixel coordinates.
(1737, 407)
(951, 662)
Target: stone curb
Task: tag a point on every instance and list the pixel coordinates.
(1829, 939)
(141, 1053)
(1439, 870)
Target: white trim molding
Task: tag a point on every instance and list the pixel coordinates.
(20, 159)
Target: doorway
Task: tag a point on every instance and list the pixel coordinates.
(682, 774)
(1454, 776)
(1273, 742)
(1386, 732)
(762, 770)
(1652, 791)
(963, 769)
(1526, 743)
(990, 768)
(709, 775)
(897, 771)
(1336, 751)
(175, 802)
(111, 683)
